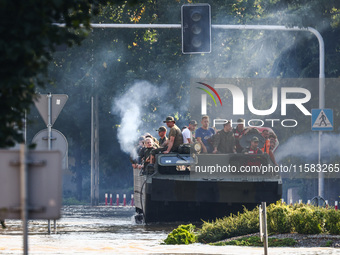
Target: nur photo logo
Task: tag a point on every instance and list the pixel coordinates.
(263, 102)
(204, 96)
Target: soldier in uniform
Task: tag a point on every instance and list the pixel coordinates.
(162, 136)
(175, 135)
(224, 140)
(174, 141)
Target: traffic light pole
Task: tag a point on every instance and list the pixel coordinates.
(254, 27)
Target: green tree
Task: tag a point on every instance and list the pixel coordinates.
(28, 37)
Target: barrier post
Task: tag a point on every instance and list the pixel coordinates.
(117, 200)
(263, 224)
(336, 205)
(132, 202)
(124, 200)
(105, 198)
(110, 199)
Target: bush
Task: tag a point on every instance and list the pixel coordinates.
(184, 234)
(244, 241)
(333, 221)
(309, 220)
(73, 201)
(304, 219)
(233, 225)
(279, 218)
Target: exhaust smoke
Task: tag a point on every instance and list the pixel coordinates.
(140, 112)
(306, 146)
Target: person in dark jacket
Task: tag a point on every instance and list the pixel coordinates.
(224, 140)
(146, 157)
(253, 148)
(239, 131)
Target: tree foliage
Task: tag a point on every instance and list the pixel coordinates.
(28, 37)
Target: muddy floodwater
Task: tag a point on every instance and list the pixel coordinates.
(112, 230)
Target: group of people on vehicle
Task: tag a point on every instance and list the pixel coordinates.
(226, 140)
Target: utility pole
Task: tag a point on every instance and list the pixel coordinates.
(94, 152)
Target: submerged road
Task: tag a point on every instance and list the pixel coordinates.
(111, 230)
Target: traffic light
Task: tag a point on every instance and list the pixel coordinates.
(196, 28)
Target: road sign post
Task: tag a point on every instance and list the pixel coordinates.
(57, 142)
(23, 195)
(322, 120)
(36, 198)
(44, 195)
(263, 226)
(49, 106)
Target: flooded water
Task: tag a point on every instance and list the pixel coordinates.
(111, 230)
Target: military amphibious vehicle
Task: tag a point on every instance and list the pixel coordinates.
(194, 187)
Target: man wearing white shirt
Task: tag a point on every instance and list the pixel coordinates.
(187, 133)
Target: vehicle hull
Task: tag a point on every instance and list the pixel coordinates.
(183, 197)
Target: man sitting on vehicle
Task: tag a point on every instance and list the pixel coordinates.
(187, 133)
(162, 136)
(203, 134)
(239, 131)
(174, 141)
(224, 140)
(175, 135)
(272, 138)
(253, 148)
(266, 145)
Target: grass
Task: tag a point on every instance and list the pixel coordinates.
(329, 243)
(256, 241)
(73, 201)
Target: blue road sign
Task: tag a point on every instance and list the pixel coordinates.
(322, 119)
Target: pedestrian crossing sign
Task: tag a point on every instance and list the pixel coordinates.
(322, 119)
